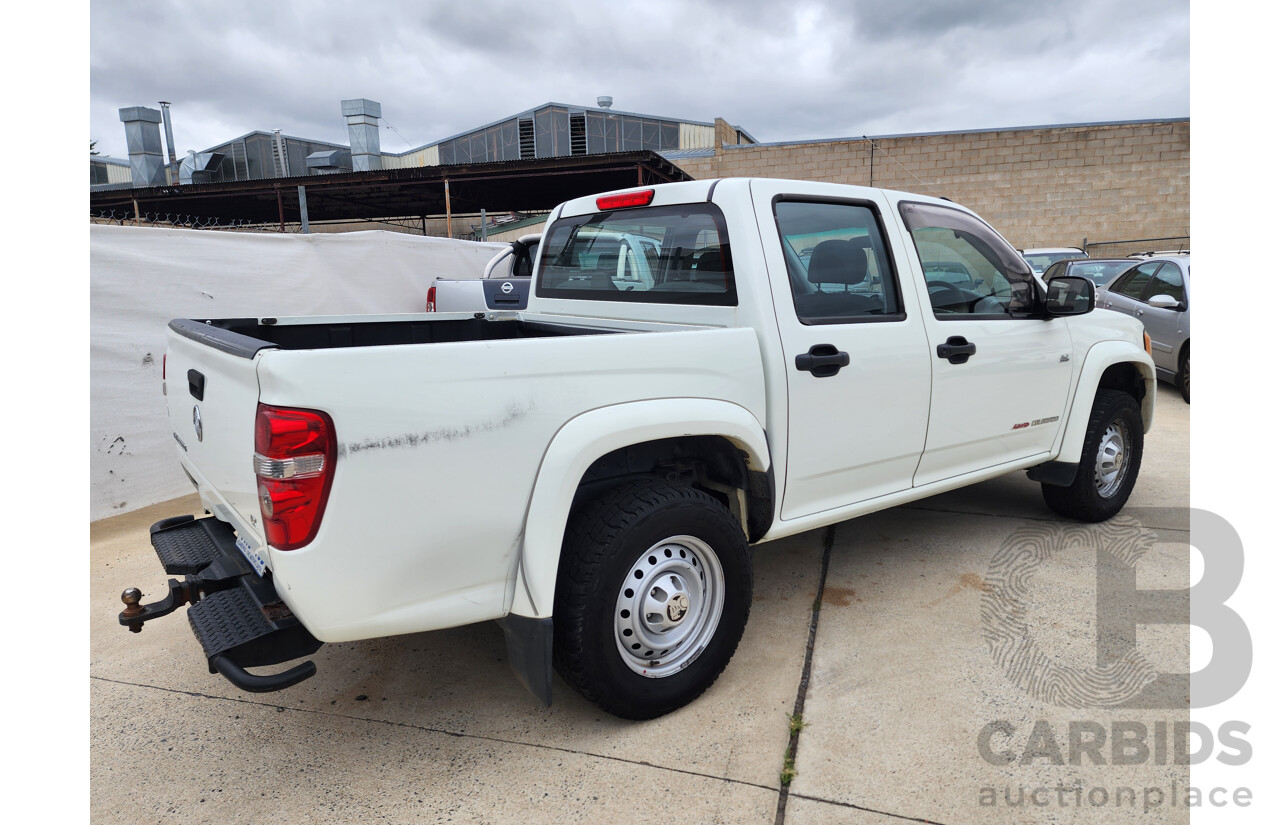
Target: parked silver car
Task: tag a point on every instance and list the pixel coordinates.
(1158, 293)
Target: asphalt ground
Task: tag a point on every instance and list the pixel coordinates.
(889, 634)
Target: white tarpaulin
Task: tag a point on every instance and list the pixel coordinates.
(140, 278)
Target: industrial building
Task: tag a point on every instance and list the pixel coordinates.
(1050, 185)
(546, 131)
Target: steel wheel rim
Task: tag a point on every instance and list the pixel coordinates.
(1112, 463)
(668, 606)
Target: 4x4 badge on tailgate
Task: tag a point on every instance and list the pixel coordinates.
(197, 422)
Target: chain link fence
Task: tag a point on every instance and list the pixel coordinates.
(172, 220)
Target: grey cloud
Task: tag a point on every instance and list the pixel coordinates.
(806, 70)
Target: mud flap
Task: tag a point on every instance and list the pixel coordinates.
(529, 653)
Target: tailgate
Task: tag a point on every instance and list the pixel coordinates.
(212, 396)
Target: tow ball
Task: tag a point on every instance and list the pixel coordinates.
(135, 614)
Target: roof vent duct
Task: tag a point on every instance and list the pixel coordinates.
(142, 134)
(329, 162)
(168, 133)
(199, 168)
(362, 127)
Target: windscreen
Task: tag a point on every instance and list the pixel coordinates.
(662, 254)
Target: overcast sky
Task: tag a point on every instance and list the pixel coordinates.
(782, 72)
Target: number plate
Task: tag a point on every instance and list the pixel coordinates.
(259, 563)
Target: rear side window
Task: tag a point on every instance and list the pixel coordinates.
(661, 254)
(1134, 285)
(523, 267)
(837, 262)
(1168, 281)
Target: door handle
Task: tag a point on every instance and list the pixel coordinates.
(1139, 312)
(957, 350)
(822, 360)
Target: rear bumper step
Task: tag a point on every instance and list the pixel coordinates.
(237, 616)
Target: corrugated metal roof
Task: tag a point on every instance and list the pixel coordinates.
(530, 112)
(686, 154)
(498, 186)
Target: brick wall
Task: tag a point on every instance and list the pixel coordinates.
(1054, 186)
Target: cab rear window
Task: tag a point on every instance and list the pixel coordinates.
(662, 254)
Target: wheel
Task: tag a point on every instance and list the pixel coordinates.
(1109, 462)
(1183, 379)
(653, 593)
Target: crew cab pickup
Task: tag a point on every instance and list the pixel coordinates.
(592, 470)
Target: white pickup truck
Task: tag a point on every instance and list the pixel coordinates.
(506, 280)
(591, 471)
(503, 285)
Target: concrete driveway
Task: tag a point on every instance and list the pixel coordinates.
(873, 629)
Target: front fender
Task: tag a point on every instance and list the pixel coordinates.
(1100, 357)
(588, 437)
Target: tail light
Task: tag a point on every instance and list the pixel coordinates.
(294, 452)
(431, 299)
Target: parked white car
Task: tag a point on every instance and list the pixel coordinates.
(1042, 259)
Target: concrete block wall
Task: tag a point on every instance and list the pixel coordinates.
(1052, 186)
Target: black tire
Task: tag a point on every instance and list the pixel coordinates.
(629, 530)
(1094, 495)
(1183, 379)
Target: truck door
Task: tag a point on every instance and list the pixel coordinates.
(1000, 377)
(857, 371)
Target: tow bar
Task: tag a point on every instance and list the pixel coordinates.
(236, 615)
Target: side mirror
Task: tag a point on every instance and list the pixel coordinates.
(1069, 295)
(1165, 302)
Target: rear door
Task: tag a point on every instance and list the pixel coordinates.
(1000, 377)
(857, 366)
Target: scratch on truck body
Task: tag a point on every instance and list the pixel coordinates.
(409, 440)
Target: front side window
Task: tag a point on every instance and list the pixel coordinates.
(969, 269)
(661, 254)
(837, 262)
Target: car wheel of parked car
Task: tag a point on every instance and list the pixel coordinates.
(1108, 464)
(1183, 378)
(653, 593)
